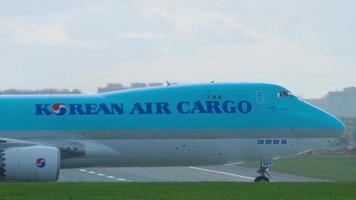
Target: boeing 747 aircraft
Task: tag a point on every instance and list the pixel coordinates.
(176, 125)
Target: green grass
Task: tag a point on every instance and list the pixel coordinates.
(183, 191)
(335, 168)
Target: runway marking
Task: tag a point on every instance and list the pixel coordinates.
(103, 175)
(221, 172)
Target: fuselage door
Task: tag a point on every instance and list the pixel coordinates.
(259, 97)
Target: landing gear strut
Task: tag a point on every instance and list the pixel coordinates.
(264, 172)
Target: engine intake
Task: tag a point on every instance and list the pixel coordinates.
(34, 163)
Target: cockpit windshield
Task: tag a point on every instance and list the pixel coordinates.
(282, 94)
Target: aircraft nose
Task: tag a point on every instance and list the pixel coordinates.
(329, 124)
(334, 125)
(337, 123)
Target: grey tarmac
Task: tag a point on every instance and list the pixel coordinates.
(170, 174)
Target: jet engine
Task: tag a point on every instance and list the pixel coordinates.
(33, 163)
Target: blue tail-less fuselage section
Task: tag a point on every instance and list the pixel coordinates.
(210, 106)
(174, 125)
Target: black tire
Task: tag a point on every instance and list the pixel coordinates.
(261, 179)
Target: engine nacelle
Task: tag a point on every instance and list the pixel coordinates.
(34, 163)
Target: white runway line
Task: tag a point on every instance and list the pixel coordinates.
(221, 172)
(103, 175)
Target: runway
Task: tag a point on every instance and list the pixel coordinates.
(169, 174)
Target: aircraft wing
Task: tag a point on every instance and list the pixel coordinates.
(7, 143)
(68, 148)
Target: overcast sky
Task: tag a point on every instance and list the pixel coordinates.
(308, 46)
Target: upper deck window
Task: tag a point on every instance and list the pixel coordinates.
(285, 94)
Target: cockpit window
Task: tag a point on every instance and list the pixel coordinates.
(285, 94)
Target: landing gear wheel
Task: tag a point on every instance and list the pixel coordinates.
(261, 179)
(264, 172)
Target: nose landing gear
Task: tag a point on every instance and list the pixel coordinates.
(264, 172)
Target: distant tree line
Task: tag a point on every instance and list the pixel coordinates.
(118, 86)
(40, 91)
(108, 88)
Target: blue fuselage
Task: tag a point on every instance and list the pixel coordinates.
(202, 119)
(211, 106)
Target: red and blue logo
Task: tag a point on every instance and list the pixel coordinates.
(59, 109)
(40, 163)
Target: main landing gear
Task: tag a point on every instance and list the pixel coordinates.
(264, 172)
